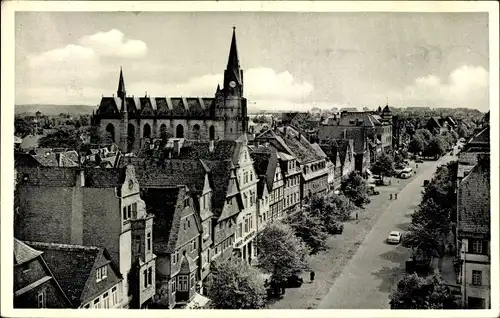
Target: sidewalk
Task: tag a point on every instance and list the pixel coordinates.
(329, 264)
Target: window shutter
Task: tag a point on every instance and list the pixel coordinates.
(485, 247)
(469, 246)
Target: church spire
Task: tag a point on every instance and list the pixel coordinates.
(121, 86)
(233, 63)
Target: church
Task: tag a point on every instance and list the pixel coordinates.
(130, 121)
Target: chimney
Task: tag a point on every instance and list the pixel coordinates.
(211, 146)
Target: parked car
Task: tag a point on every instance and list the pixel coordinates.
(372, 190)
(394, 237)
(338, 228)
(426, 182)
(294, 281)
(405, 175)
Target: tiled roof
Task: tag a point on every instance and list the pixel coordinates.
(187, 265)
(168, 219)
(49, 160)
(301, 148)
(474, 201)
(25, 160)
(70, 264)
(170, 172)
(47, 176)
(24, 253)
(220, 174)
(104, 178)
(159, 106)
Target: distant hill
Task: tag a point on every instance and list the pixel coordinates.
(54, 109)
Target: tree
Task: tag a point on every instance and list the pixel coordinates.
(96, 135)
(424, 133)
(417, 144)
(63, 137)
(414, 292)
(436, 147)
(384, 166)
(331, 208)
(310, 229)
(463, 132)
(22, 127)
(280, 252)
(355, 189)
(235, 285)
(423, 238)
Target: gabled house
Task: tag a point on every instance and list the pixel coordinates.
(262, 204)
(474, 236)
(341, 154)
(87, 274)
(96, 207)
(478, 145)
(195, 174)
(176, 243)
(437, 125)
(34, 282)
(291, 182)
(267, 166)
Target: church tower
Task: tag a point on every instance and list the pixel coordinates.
(122, 94)
(235, 106)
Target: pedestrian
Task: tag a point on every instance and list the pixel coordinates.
(417, 165)
(356, 215)
(390, 196)
(395, 196)
(311, 275)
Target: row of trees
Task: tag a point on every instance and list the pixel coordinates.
(430, 145)
(427, 235)
(284, 248)
(71, 137)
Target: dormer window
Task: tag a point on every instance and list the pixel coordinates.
(102, 273)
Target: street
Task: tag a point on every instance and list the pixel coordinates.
(367, 280)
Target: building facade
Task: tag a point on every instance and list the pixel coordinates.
(130, 120)
(97, 207)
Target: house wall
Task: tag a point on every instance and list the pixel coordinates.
(96, 289)
(475, 262)
(46, 214)
(53, 297)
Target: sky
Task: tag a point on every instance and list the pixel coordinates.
(290, 60)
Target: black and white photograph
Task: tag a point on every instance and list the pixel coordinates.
(226, 155)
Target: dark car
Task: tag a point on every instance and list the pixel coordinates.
(338, 228)
(294, 281)
(426, 182)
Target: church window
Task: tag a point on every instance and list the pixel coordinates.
(146, 131)
(179, 132)
(212, 132)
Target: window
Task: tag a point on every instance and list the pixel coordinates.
(102, 273)
(145, 273)
(175, 257)
(150, 276)
(97, 304)
(41, 299)
(477, 277)
(251, 176)
(87, 306)
(172, 286)
(240, 230)
(129, 212)
(115, 295)
(105, 300)
(204, 201)
(183, 282)
(124, 213)
(149, 242)
(186, 202)
(477, 247)
(189, 223)
(134, 209)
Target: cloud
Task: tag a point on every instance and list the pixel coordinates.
(259, 84)
(112, 43)
(466, 86)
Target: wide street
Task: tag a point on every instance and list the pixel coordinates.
(368, 279)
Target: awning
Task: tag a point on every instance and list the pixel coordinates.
(198, 301)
